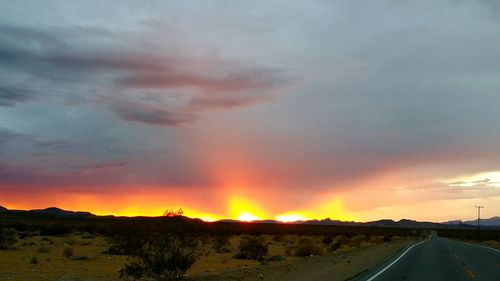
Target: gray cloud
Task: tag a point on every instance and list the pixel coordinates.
(152, 115)
(9, 96)
(68, 66)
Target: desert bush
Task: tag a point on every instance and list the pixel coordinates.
(387, 238)
(67, 252)
(46, 239)
(163, 257)
(126, 244)
(43, 250)
(8, 236)
(278, 238)
(133, 270)
(33, 260)
(251, 248)
(276, 258)
(222, 244)
(87, 235)
(356, 241)
(327, 239)
(26, 234)
(307, 247)
(335, 245)
(341, 238)
(70, 242)
(80, 258)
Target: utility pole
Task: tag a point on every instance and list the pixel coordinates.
(478, 215)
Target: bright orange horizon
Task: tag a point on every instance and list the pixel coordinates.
(361, 205)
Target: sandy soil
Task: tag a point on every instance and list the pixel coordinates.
(16, 264)
(211, 265)
(332, 267)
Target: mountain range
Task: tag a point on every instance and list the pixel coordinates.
(491, 223)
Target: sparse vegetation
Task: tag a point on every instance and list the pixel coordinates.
(43, 250)
(164, 256)
(80, 258)
(307, 248)
(92, 239)
(222, 244)
(335, 245)
(67, 252)
(8, 236)
(252, 248)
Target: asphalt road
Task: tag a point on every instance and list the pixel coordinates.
(440, 259)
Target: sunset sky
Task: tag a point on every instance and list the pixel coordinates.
(252, 109)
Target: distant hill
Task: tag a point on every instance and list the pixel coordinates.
(404, 223)
(491, 223)
(61, 213)
(52, 212)
(494, 221)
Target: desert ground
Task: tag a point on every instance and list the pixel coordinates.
(82, 256)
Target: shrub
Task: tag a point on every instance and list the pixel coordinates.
(8, 237)
(133, 269)
(80, 258)
(327, 240)
(67, 252)
(387, 238)
(222, 244)
(87, 235)
(34, 260)
(43, 250)
(252, 248)
(163, 257)
(335, 245)
(356, 241)
(278, 238)
(276, 258)
(46, 239)
(126, 244)
(341, 238)
(306, 248)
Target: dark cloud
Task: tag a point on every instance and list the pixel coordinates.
(72, 67)
(152, 115)
(9, 96)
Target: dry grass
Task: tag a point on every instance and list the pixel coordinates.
(53, 261)
(52, 265)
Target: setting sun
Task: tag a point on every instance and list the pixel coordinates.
(245, 216)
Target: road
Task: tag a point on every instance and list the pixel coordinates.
(440, 259)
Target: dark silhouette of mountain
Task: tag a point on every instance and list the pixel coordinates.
(404, 223)
(494, 221)
(61, 213)
(52, 212)
(491, 223)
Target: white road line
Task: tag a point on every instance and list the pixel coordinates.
(392, 263)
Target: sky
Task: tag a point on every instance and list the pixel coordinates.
(249, 110)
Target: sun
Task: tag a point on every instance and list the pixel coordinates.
(246, 216)
(291, 218)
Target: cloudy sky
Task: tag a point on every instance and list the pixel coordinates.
(252, 109)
